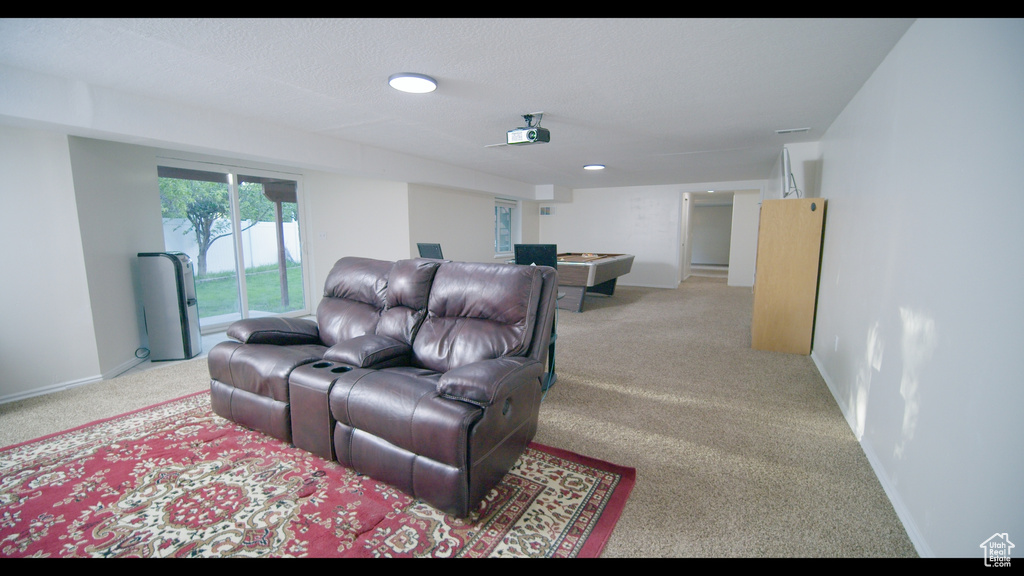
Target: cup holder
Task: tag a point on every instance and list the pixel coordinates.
(337, 369)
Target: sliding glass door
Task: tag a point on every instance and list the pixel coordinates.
(270, 245)
(242, 234)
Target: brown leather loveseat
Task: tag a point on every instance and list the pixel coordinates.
(424, 374)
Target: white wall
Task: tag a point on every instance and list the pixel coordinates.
(350, 216)
(650, 221)
(118, 200)
(746, 214)
(805, 164)
(462, 222)
(686, 235)
(712, 230)
(642, 220)
(529, 222)
(918, 331)
(47, 336)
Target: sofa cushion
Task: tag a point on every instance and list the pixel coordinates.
(354, 296)
(409, 284)
(481, 383)
(403, 408)
(370, 351)
(275, 330)
(477, 311)
(261, 369)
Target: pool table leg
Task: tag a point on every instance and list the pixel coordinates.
(607, 287)
(573, 299)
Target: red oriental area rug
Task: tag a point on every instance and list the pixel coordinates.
(176, 480)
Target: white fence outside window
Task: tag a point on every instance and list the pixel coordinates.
(259, 243)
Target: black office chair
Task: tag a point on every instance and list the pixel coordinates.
(430, 251)
(543, 255)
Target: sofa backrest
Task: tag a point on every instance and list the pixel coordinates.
(354, 298)
(478, 311)
(409, 284)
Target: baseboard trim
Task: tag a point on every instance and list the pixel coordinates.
(906, 518)
(49, 389)
(122, 368)
(59, 386)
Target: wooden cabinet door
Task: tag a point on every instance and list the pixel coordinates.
(786, 277)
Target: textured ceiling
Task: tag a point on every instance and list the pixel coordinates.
(656, 100)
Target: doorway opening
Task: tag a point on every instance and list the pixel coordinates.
(710, 230)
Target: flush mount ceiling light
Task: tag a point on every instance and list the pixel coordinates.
(594, 167)
(412, 82)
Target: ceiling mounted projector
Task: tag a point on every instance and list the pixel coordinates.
(528, 135)
(531, 133)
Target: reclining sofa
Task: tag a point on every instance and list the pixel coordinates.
(424, 374)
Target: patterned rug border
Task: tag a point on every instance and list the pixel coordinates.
(594, 543)
(102, 420)
(616, 504)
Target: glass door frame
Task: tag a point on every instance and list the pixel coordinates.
(232, 172)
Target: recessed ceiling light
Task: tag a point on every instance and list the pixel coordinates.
(412, 82)
(594, 167)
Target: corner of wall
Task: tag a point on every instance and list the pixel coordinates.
(552, 193)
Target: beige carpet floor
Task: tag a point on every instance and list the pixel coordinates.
(738, 452)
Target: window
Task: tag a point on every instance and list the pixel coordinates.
(504, 211)
(242, 234)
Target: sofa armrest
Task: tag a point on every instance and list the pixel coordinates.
(484, 382)
(370, 351)
(275, 330)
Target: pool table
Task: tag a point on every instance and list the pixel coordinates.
(582, 272)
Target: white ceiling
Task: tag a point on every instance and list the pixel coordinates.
(658, 101)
